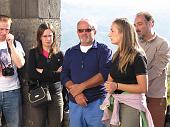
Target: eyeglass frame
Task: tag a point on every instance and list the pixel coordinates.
(85, 30)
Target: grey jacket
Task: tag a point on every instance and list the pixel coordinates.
(158, 56)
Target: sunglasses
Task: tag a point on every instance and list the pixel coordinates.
(84, 30)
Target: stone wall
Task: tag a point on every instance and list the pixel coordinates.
(25, 30)
(27, 15)
(5, 7)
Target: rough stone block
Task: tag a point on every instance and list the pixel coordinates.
(25, 30)
(34, 8)
(5, 7)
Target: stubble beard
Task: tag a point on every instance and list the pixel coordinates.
(85, 41)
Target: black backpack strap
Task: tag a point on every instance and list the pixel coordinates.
(9, 50)
(21, 71)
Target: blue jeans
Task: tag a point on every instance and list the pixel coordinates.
(10, 105)
(88, 116)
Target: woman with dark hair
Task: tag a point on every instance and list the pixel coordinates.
(127, 81)
(44, 66)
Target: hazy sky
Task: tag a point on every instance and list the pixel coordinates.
(105, 11)
(143, 4)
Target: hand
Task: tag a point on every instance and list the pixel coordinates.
(39, 70)
(0, 71)
(81, 99)
(76, 89)
(10, 39)
(59, 69)
(110, 86)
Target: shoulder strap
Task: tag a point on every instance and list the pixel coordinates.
(36, 55)
(9, 50)
(33, 83)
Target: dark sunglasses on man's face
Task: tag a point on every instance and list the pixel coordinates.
(84, 30)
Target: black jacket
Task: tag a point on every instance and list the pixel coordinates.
(49, 76)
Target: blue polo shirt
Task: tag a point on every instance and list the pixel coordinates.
(79, 67)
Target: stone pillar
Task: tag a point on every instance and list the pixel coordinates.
(27, 15)
(5, 7)
(25, 30)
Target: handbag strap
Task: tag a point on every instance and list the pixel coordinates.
(38, 84)
(36, 55)
(36, 58)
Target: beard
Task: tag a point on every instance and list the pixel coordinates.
(140, 35)
(85, 40)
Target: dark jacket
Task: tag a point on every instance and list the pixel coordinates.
(49, 76)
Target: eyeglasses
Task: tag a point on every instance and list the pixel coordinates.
(84, 30)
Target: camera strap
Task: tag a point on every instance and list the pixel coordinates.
(2, 64)
(9, 50)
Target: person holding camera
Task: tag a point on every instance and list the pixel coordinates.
(11, 58)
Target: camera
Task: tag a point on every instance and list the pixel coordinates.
(8, 71)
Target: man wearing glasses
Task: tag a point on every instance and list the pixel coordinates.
(85, 68)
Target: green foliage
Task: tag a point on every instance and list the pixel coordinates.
(168, 85)
(169, 92)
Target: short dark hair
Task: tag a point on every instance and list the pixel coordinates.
(147, 16)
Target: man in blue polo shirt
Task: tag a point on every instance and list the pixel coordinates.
(85, 68)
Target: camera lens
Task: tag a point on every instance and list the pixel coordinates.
(8, 71)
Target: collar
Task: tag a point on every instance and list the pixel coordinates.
(3, 43)
(151, 39)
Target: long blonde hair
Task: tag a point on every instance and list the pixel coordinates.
(129, 45)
